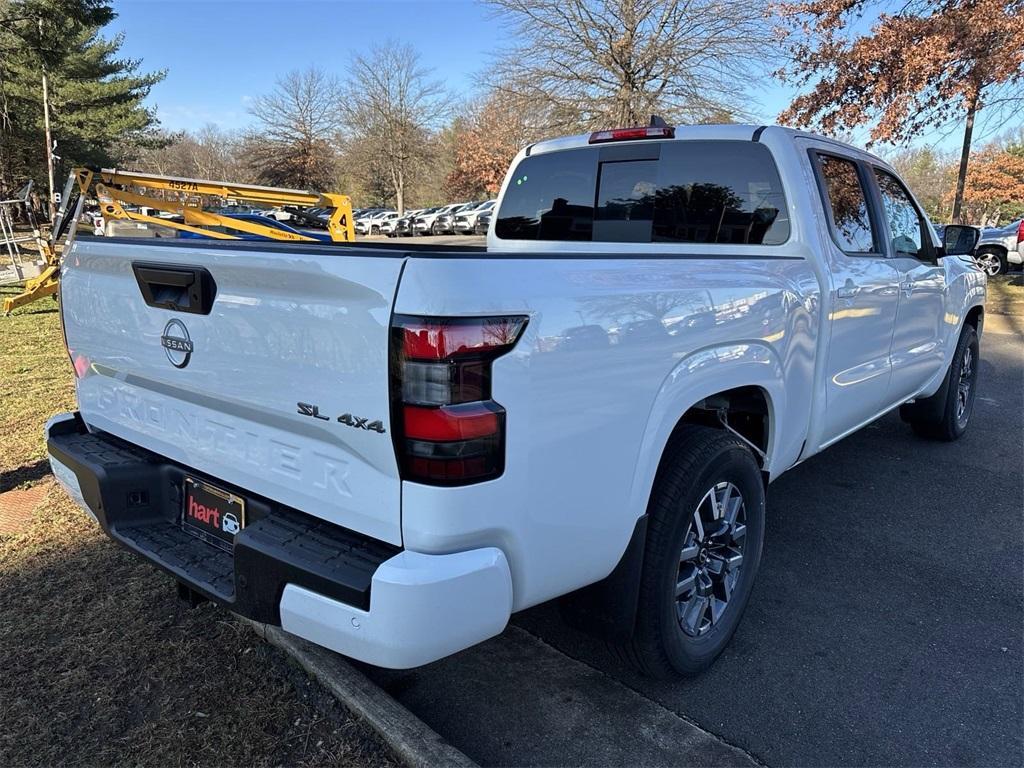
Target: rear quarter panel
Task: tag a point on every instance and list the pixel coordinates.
(615, 351)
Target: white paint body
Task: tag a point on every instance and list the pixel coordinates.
(586, 423)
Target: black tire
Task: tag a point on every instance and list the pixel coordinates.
(992, 261)
(947, 414)
(697, 462)
(375, 230)
(434, 229)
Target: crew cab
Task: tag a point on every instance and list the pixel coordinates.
(388, 451)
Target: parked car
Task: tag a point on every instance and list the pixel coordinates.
(483, 223)
(427, 222)
(370, 223)
(403, 225)
(387, 224)
(1001, 247)
(464, 222)
(415, 448)
(444, 224)
(279, 214)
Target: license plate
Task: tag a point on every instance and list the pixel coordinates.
(212, 513)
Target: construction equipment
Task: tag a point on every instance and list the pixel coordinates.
(36, 268)
(111, 188)
(181, 200)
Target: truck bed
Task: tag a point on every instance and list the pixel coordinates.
(365, 248)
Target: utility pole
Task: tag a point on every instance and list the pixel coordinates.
(46, 126)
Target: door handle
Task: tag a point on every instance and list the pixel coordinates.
(907, 287)
(847, 291)
(176, 287)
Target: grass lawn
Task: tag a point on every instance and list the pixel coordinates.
(99, 662)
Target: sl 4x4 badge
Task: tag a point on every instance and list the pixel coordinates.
(356, 422)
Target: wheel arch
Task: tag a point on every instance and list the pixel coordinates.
(997, 247)
(975, 318)
(742, 379)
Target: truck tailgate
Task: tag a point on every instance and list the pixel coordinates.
(231, 393)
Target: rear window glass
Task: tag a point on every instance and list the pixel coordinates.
(694, 192)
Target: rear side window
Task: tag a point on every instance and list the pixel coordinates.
(847, 204)
(550, 197)
(686, 192)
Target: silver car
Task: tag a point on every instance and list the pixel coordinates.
(999, 247)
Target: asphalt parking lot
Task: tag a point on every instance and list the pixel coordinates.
(885, 628)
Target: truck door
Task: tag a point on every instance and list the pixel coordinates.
(918, 348)
(864, 300)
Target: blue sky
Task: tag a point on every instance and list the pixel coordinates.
(221, 53)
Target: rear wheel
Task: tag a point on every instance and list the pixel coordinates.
(704, 540)
(374, 230)
(992, 261)
(947, 414)
(434, 229)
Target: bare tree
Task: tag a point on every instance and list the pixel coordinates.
(294, 144)
(584, 64)
(392, 106)
(209, 153)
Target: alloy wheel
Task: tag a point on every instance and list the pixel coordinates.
(964, 385)
(711, 559)
(989, 263)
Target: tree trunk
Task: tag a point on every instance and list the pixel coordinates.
(965, 154)
(399, 181)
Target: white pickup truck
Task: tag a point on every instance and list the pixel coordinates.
(390, 450)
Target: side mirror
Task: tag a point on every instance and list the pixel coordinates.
(960, 239)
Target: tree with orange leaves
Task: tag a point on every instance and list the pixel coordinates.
(486, 142)
(995, 186)
(916, 69)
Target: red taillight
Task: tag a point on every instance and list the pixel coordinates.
(1020, 232)
(626, 134)
(432, 339)
(456, 422)
(446, 427)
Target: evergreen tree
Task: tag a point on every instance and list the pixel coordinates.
(95, 96)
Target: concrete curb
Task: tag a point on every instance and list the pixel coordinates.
(412, 741)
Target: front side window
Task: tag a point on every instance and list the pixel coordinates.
(847, 205)
(905, 226)
(695, 192)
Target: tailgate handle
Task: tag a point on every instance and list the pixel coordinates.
(176, 287)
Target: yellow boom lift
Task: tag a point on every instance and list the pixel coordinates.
(182, 199)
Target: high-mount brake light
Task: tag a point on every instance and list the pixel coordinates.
(447, 429)
(627, 134)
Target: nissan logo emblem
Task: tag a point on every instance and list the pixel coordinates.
(176, 343)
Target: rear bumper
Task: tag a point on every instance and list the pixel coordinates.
(342, 590)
